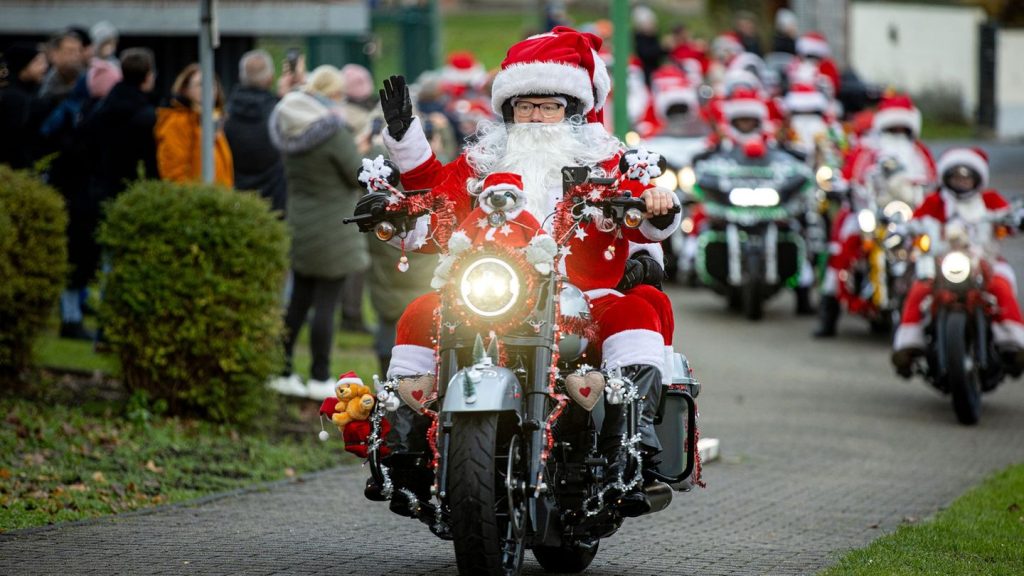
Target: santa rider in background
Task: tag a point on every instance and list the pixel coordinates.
(814, 64)
(550, 94)
(895, 129)
(964, 203)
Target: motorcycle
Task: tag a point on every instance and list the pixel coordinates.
(514, 426)
(879, 281)
(752, 244)
(960, 357)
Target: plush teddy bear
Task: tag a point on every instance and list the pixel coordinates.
(355, 400)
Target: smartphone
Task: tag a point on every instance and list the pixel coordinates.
(377, 125)
(292, 59)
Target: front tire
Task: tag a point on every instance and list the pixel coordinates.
(753, 301)
(571, 559)
(484, 537)
(961, 370)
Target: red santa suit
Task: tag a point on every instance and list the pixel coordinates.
(943, 207)
(631, 328)
(919, 167)
(815, 64)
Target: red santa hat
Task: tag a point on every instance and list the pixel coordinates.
(805, 98)
(897, 111)
(813, 44)
(744, 103)
(348, 378)
(562, 61)
(727, 44)
(974, 158)
(671, 86)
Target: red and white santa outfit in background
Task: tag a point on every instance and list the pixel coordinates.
(972, 211)
(919, 167)
(814, 63)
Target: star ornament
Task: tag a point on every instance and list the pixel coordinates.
(481, 223)
(580, 234)
(505, 230)
(565, 251)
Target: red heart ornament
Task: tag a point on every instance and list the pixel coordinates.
(585, 392)
(413, 390)
(418, 395)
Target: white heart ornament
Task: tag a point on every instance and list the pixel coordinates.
(585, 390)
(415, 389)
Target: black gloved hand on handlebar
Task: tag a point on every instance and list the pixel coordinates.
(397, 106)
(641, 268)
(372, 205)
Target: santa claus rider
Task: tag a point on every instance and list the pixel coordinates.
(550, 93)
(964, 202)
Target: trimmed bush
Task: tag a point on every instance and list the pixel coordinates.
(33, 265)
(192, 298)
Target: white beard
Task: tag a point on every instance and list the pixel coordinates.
(538, 152)
(903, 150)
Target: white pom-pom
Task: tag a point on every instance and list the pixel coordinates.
(323, 435)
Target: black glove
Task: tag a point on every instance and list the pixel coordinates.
(373, 207)
(397, 106)
(641, 268)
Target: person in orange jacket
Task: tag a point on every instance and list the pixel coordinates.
(178, 133)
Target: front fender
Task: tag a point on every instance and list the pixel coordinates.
(497, 390)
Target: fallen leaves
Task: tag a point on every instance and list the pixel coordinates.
(152, 467)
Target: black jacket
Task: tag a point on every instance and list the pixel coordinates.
(258, 164)
(120, 132)
(784, 43)
(21, 115)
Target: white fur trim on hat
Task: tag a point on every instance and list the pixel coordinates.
(801, 102)
(602, 82)
(542, 78)
(812, 46)
(898, 117)
(744, 108)
(965, 157)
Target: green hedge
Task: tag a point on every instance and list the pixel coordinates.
(192, 298)
(33, 264)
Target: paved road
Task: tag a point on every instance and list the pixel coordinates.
(823, 450)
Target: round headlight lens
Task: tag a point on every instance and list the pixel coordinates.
(667, 181)
(956, 267)
(687, 178)
(866, 221)
(489, 287)
(823, 175)
(899, 209)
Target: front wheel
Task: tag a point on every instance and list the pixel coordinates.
(570, 559)
(961, 370)
(753, 301)
(487, 524)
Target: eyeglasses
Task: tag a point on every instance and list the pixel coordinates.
(547, 109)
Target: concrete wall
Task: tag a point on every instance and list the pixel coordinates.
(914, 47)
(1010, 84)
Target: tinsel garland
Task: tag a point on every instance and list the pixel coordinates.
(438, 205)
(595, 503)
(584, 328)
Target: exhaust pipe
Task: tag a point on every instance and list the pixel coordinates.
(659, 496)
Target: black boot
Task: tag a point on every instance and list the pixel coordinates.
(803, 301)
(407, 460)
(620, 463)
(828, 316)
(903, 361)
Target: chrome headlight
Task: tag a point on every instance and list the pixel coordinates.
(824, 177)
(900, 209)
(687, 178)
(866, 220)
(489, 287)
(572, 303)
(746, 197)
(667, 181)
(956, 267)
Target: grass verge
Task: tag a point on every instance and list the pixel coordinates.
(981, 533)
(73, 455)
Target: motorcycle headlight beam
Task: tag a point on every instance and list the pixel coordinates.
(866, 220)
(956, 267)
(747, 197)
(898, 208)
(824, 176)
(687, 179)
(667, 181)
(489, 287)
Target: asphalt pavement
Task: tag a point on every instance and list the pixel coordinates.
(823, 450)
